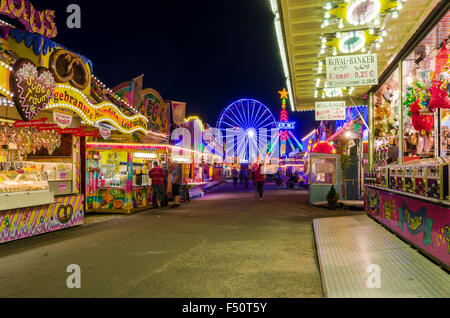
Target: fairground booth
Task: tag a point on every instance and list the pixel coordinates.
(41, 142)
(407, 188)
(119, 160)
(203, 164)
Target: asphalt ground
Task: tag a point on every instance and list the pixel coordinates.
(227, 244)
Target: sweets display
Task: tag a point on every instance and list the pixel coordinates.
(22, 176)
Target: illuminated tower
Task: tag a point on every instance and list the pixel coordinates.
(283, 119)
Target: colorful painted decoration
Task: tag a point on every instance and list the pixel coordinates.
(34, 21)
(32, 87)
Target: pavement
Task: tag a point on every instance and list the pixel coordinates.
(227, 244)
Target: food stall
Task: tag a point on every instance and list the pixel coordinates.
(40, 165)
(407, 188)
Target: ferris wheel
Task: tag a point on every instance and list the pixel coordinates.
(251, 122)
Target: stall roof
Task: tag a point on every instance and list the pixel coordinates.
(301, 22)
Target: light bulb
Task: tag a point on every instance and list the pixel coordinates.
(341, 24)
(328, 6)
(327, 15)
(371, 31)
(395, 14)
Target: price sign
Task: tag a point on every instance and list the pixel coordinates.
(352, 70)
(330, 110)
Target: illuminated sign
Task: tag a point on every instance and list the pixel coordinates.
(32, 87)
(67, 97)
(289, 125)
(34, 21)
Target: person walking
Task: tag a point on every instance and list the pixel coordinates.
(241, 175)
(165, 200)
(157, 175)
(278, 179)
(176, 183)
(234, 174)
(246, 177)
(259, 178)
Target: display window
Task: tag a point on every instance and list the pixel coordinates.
(323, 171)
(387, 118)
(425, 94)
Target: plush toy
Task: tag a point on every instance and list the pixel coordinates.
(439, 97)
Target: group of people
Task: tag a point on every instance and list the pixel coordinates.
(245, 174)
(291, 179)
(160, 178)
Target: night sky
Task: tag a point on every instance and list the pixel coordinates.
(206, 53)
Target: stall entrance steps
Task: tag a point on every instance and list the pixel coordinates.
(360, 258)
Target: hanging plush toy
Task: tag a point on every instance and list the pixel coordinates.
(439, 97)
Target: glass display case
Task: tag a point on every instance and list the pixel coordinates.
(22, 177)
(420, 180)
(396, 178)
(408, 179)
(59, 177)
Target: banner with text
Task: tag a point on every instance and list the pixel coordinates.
(352, 70)
(330, 110)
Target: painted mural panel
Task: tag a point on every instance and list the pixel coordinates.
(424, 224)
(21, 223)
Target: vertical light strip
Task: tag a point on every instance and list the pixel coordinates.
(277, 21)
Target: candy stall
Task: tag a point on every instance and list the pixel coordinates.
(407, 188)
(40, 146)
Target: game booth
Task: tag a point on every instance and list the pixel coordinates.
(407, 188)
(41, 144)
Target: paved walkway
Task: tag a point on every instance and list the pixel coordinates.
(350, 246)
(224, 245)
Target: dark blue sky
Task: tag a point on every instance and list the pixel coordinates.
(206, 53)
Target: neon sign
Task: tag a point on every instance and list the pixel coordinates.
(288, 125)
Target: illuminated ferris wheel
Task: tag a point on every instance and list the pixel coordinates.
(250, 122)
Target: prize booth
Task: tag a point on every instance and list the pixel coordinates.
(407, 188)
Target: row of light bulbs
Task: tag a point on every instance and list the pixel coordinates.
(109, 91)
(6, 102)
(333, 92)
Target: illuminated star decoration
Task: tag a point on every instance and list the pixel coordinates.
(283, 94)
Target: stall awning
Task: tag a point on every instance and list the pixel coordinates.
(303, 25)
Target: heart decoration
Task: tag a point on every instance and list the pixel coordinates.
(32, 87)
(18, 165)
(6, 165)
